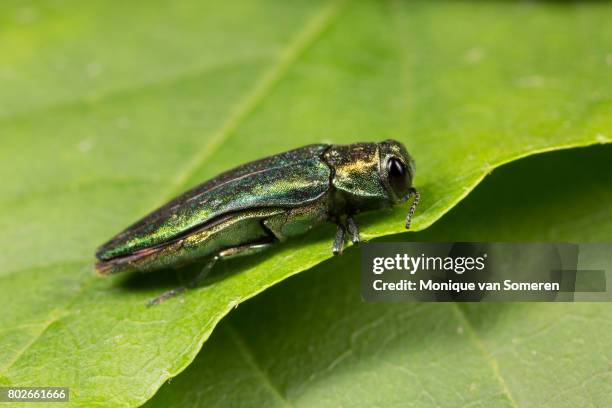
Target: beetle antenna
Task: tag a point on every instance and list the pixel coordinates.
(415, 202)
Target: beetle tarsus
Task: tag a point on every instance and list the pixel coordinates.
(353, 230)
(339, 241)
(166, 295)
(415, 202)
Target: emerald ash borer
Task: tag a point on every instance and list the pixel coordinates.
(253, 206)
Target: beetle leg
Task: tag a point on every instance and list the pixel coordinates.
(177, 291)
(225, 254)
(353, 229)
(339, 241)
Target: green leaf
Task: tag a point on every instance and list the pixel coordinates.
(312, 341)
(109, 110)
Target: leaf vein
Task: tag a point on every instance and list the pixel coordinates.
(258, 93)
(460, 315)
(121, 91)
(248, 357)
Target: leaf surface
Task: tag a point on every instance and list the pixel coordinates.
(107, 111)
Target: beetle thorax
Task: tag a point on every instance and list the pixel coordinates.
(355, 178)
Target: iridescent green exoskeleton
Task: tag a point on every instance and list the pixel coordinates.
(251, 207)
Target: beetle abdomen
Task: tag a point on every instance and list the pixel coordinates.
(228, 232)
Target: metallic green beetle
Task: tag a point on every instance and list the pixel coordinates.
(249, 208)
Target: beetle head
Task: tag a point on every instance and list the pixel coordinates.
(396, 170)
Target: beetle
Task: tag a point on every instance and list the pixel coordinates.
(251, 207)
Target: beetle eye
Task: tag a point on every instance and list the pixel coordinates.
(398, 177)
